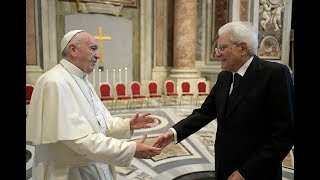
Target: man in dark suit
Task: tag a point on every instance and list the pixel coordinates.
(254, 113)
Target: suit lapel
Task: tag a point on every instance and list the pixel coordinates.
(248, 81)
(222, 95)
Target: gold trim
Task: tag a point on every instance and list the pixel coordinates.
(126, 3)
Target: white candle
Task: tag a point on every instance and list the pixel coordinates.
(94, 79)
(114, 77)
(126, 75)
(119, 75)
(107, 76)
(99, 77)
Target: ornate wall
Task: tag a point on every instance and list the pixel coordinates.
(154, 36)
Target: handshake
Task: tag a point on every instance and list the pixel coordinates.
(144, 151)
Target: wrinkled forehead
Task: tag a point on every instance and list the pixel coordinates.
(88, 39)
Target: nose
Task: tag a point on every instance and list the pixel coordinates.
(97, 55)
(217, 54)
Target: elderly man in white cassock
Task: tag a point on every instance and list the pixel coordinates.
(75, 136)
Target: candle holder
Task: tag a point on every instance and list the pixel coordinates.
(114, 77)
(126, 75)
(107, 76)
(99, 77)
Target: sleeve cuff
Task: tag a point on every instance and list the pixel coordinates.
(174, 135)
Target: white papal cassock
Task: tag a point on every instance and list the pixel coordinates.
(63, 123)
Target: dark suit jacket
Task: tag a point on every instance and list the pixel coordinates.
(255, 129)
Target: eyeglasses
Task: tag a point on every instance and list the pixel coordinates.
(221, 47)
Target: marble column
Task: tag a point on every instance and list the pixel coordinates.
(161, 69)
(185, 15)
(146, 19)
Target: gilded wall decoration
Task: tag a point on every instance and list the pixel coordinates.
(126, 3)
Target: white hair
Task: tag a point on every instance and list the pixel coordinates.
(242, 31)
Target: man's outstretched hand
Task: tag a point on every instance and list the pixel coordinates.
(163, 139)
(144, 151)
(141, 121)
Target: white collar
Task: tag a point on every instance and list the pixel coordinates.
(72, 68)
(244, 67)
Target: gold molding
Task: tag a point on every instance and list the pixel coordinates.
(125, 3)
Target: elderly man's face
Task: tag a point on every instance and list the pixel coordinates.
(228, 53)
(88, 54)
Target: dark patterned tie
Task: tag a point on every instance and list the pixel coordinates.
(236, 81)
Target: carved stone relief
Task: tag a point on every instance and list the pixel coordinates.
(270, 28)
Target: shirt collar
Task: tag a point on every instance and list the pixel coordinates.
(72, 68)
(244, 67)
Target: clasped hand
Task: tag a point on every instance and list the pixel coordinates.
(142, 150)
(146, 152)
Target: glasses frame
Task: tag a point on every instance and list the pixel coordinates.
(221, 47)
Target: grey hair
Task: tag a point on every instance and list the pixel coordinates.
(242, 31)
(75, 40)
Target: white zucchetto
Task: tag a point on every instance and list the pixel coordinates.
(67, 37)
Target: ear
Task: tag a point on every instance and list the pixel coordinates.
(243, 46)
(243, 49)
(72, 49)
